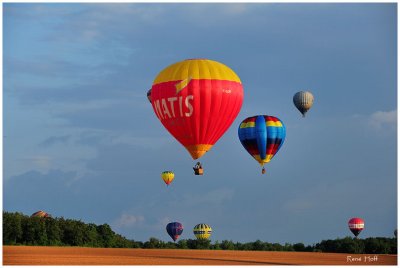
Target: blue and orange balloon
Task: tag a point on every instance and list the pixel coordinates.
(262, 136)
(174, 229)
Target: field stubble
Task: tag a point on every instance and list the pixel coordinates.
(32, 255)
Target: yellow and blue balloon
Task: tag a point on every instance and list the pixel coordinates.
(202, 231)
(262, 136)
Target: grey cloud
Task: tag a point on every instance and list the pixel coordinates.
(128, 220)
(33, 191)
(43, 67)
(382, 119)
(56, 139)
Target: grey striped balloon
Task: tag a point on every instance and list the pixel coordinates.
(303, 100)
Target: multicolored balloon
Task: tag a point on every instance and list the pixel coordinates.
(356, 225)
(167, 176)
(41, 214)
(202, 231)
(303, 100)
(197, 100)
(262, 136)
(174, 229)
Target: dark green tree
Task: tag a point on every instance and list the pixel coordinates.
(299, 247)
(227, 245)
(12, 228)
(34, 231)
(203, 244)
(106, 235)
(182, 244)
(53, 232)
(91, 237)
(258, 245)
(375, 245)
(152, 243)
(216, 245)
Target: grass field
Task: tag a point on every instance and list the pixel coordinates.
(28, 255)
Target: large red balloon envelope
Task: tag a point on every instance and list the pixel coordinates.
(197, 100)
(356, 225)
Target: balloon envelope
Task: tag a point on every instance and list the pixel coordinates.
(167, 176)
(197, 100)
(174, 229)
(202, 231)
(149, 95)
(262, 136)
(303, 100)
(356, 225)
(41, 214)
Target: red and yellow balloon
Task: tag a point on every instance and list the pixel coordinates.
(167, 177)
(197, 100)
(41, 214)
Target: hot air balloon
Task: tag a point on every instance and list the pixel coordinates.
(202, 231)
(41, 214)
(167, 176)
(174, 229)
(198, 169)
(356, 225)
(262, 136)
(303, 100)
(197, 100)
(149, 95)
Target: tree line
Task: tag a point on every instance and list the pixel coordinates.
(19, 229)
(372, 245)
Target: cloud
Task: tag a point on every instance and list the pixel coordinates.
(33, 190)
(95, 22)
(44, 67)
(40, 161)
(236, 9)
(381, 119)
(128, 220)
(143, 142)
(55, 139)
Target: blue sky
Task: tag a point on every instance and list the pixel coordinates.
(81, 140)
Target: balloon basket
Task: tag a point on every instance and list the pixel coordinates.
(198, 171)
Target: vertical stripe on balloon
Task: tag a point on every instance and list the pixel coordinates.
(262, 136)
